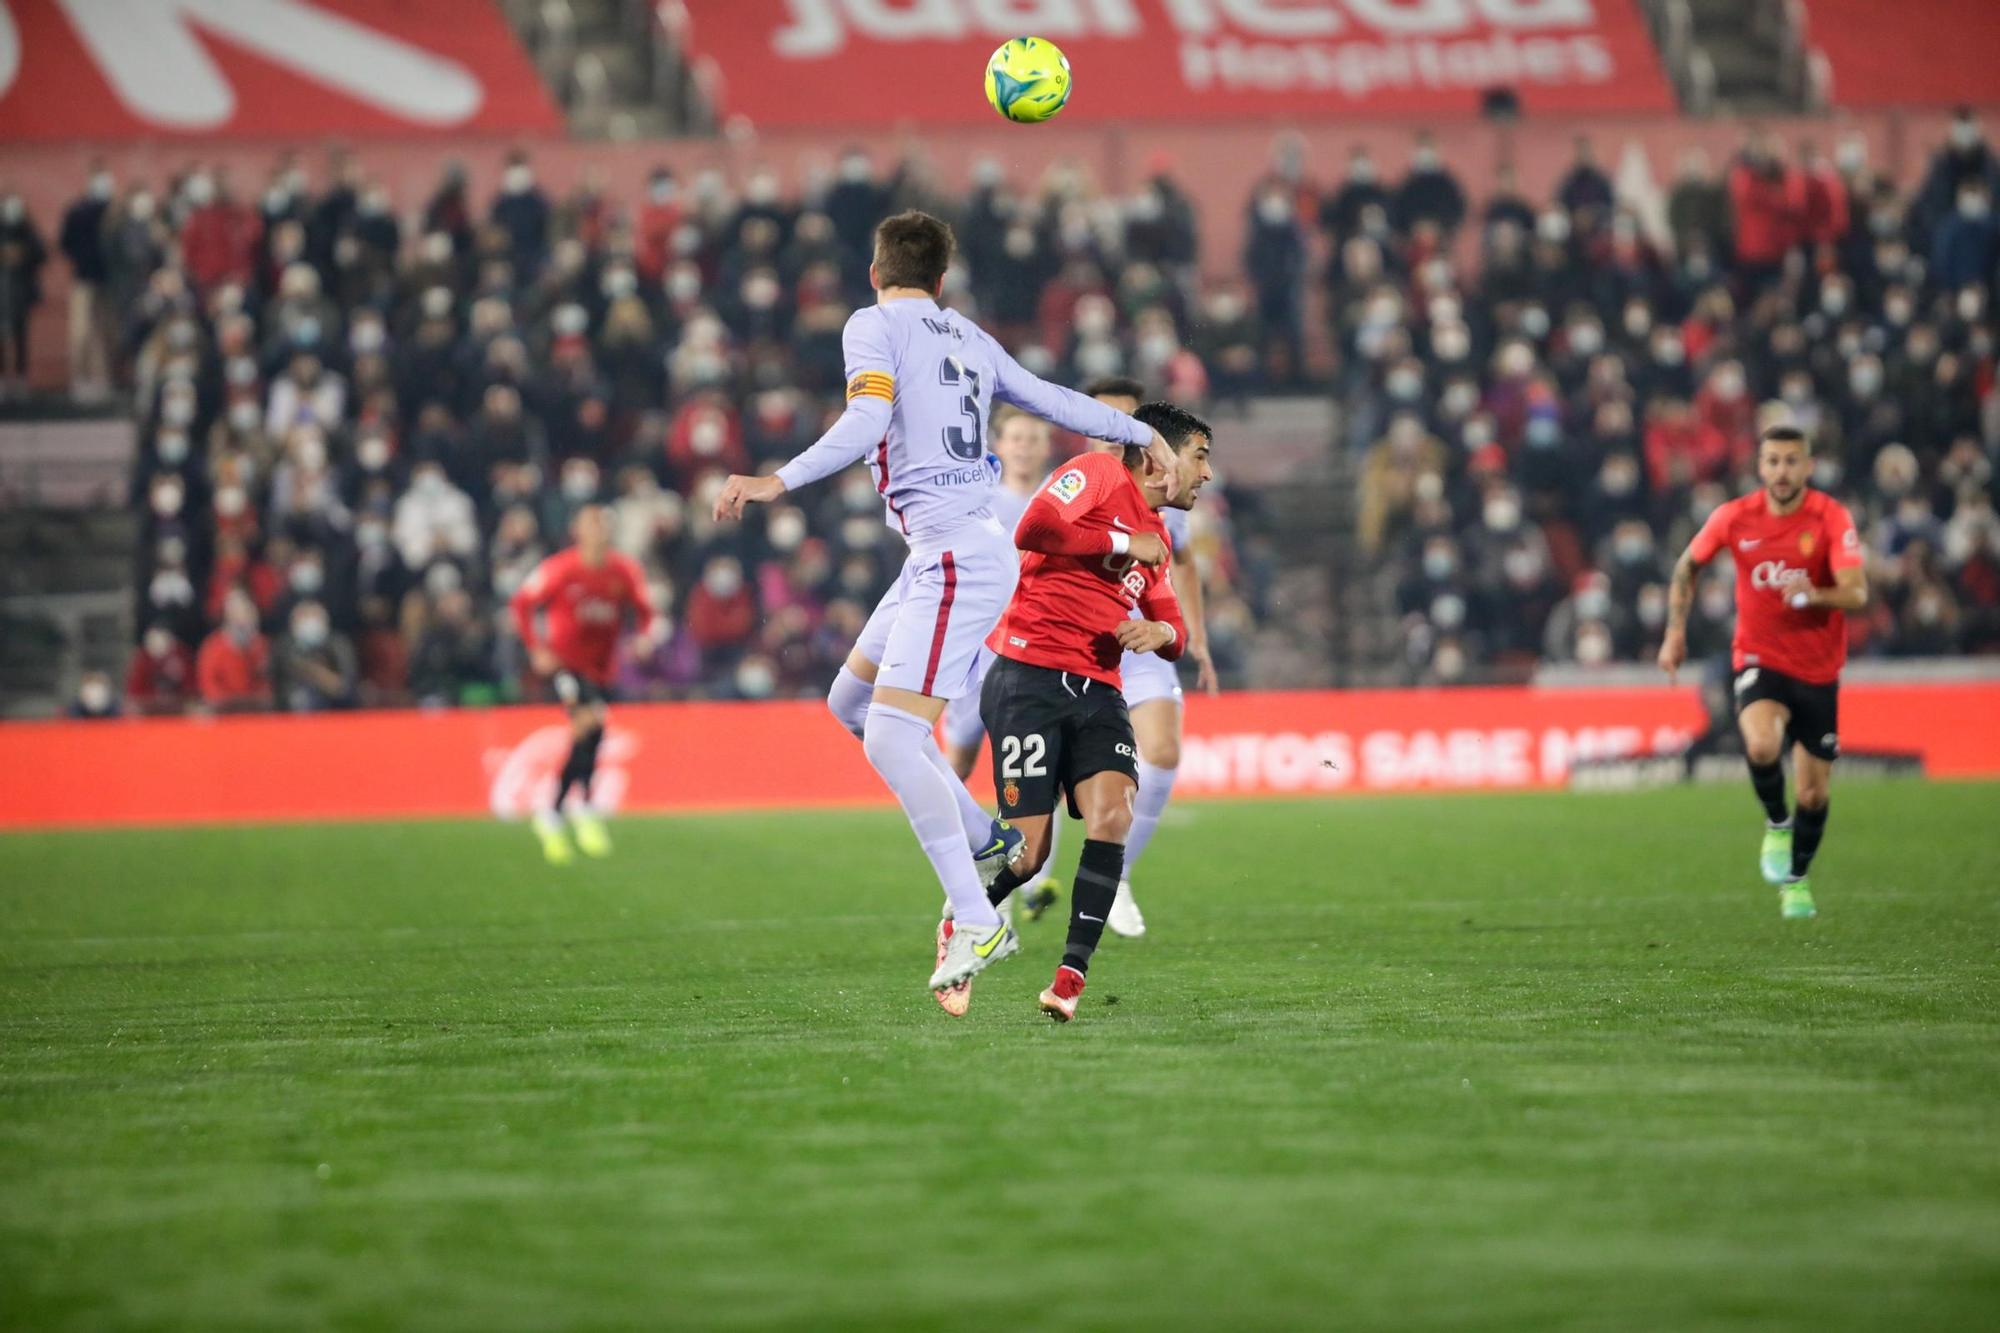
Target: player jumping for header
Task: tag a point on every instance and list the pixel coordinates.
(584, 592)
(1798, 571)
(1095, 549)
(920, 384)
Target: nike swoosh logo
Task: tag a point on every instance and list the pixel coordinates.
(1749, 542)
(1117, 522)
(984, 948)
(1083, 917)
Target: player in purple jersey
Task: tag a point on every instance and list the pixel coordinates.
(1152, 685)
(921, 381)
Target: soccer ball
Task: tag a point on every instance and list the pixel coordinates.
(1027, 80)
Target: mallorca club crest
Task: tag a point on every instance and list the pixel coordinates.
(1011, 794)
(1806, 543)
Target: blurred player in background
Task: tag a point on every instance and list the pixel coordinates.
(920, 384)
(1798, 572)
(584, 593)
(1095, 552)
(1152, 686)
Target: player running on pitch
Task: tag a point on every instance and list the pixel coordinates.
(1095, 550)
(1021, 447)
(920, 384)
(1152, 687)
(584, 593)
(1798, 570)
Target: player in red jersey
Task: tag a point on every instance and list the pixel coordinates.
(1798, 572)
(583, 593)
(1094, 548)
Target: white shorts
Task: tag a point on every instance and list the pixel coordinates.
(928, 631)
(962, 723)
(1147, 677)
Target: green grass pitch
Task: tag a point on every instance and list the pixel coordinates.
(1527, 1062)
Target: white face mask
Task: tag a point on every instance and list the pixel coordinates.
(167, 500)
(787, 531)
(723, 581)
(95, 696)
(159, 643)
(517, 179)
(173, 447)
(310, 631)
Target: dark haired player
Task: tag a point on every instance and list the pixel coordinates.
(1798, 571)
(1094, 549)
(1152, 688)
(921, 381)
(584, 592)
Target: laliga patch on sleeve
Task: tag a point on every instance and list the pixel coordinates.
(1850, 539)
(1069, 485)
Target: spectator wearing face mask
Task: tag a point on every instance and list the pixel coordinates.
(22, 255)
(1429, 191)
(1581, 627)
(721, 613)
(160, 678)
(521, 211)
(95, 699)
(219, 238)
(705, 436)
(1965, 249)
(233, 668)
(1585, 191)
(1767, 209)
(315, 667)
(434, 519)
(83, 241)
(1390, 476)
(1964, 159)
(1274, 256)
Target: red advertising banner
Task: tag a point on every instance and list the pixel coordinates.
(1934, 54)
(666, 757)
(882, 62)
(85, 69)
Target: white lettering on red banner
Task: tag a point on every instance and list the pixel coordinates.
(114, 69)
(809, 61)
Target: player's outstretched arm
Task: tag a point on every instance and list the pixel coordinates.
(845, 443)
(1073, 411)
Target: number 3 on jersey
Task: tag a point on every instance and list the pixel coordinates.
(1024, 756)
(953, 373)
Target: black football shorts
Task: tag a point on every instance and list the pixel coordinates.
(1050, 730)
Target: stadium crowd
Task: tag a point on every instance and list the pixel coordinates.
(1542, 430)
(361, 430)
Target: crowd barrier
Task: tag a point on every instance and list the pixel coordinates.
(722, 756)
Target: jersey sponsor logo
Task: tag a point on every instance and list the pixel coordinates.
(1126, 750)
(1773, 575)
(1069, 485)
(1135, 583)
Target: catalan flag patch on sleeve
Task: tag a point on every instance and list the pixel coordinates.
(872, 384)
